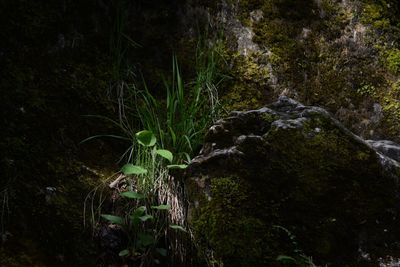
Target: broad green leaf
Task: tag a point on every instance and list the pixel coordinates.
(129, 168)
(145, 239)
(123, 253)
(113, 219)
(161, 207)
(146, 217)
(132, 194)
(146, 138)
(285, 259)
(177, 166)
(165, 154)
(177, 227)
(162, 251)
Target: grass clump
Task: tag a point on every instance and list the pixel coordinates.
(150, 208)
(181, 117)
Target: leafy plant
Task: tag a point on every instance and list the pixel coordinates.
(144, 226)
(147, 165)
(180, 120)
(145, 221)
(181, 117)
(174, 129)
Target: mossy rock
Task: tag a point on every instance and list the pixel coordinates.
(323, 53)
(287, 181)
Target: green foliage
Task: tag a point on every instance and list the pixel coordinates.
(146, 138)
(144, 223)
(165, 154)
(132, 195)
(146, 167)
(393, 60)
(113, 219)
(175, 123)
(187, 108)
(143, 226)
(177, 166)
(367, 90)
(180, 120)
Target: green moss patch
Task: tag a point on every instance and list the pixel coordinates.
(228, 226)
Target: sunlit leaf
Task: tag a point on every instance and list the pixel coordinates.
(165, 154)
(129, 168)
(161, 207)
(132, 194)
(146, 138)
(177, 166)
(113, 219)
(177, 227)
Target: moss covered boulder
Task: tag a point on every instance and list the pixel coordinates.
(287, 185)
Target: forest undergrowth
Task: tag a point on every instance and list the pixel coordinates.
(162, 134)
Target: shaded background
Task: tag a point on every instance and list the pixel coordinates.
(59, 61)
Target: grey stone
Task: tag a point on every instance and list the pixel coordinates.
(386, 147)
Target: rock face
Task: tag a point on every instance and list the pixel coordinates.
(300, 47)
(290, 180)
(386, 147)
